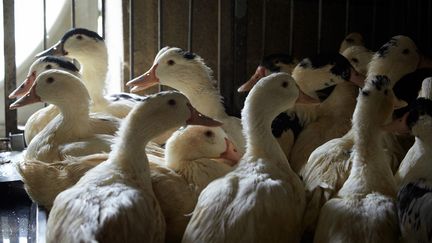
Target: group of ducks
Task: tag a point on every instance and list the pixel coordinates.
(313, 157)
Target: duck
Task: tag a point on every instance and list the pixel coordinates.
(330, 78)
(262, 199)
(352, 39)
(367, 199)
(74, 132)
(359, 57)
(196, 155)
(200, 165)
(276, 62)
(329, 165)
(38, 120)
(117, 193)
(414, 175)
(186, 72)
(89, 49)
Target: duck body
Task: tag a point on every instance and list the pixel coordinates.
(414, 176)
(262, 200)
(74, 131)
(366, 200)
(115, 202)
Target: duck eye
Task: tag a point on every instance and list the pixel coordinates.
(50, 80)
(285, 84)
(172, 102)
(355, 60)
(79, 37)
(209, 134)
(170, 62)
(405, 51)
(48, 67)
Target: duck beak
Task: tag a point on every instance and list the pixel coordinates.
(424, 62)
(197, 118)
(306, 99)
(145, 81)
(398, 103)
(231, 153)
(55, 50)
(259, 73)
(398, 126)
(357, 78)
(24, 87)
(30, 98)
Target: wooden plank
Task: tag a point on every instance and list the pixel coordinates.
(361, 19)
(204, 34)
(11, 124)
(256, 34)
(175, 23)
(277, 34)
(333, 25)
(305, 28)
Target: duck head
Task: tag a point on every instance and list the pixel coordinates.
(352, 39)
(176, 68)
(55, 87)
(42, 64)
(77, 43)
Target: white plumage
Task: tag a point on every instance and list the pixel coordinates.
(114, 202)
(262, 200)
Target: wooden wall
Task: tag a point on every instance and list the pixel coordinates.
(233, 35)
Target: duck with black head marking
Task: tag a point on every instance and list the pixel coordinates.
(38, 120)
(90, 50)
(366, 201)
(187, 72)
(414, 176)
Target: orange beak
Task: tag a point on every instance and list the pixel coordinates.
(30, 98)
(231, 153)
(24, 87)
(398, 126)
(197, 118)
(145, 81)
(357, 78)
(259, 73)
(306, 99)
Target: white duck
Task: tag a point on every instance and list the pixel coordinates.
(329, 165)
(90, 50)
(414, 174)
(359, 57)
(115, 202)
(38, 120)
(187, 72)
(262, 200)
(73, 132)
(352, 39)
(177, 186)
(192, 153)
(273, 63)
(365, 208)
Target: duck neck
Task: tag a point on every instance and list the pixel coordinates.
(94, 74)
(75, 118)
(342, 99)
(128, 151)
(260, 142)
(202, 94)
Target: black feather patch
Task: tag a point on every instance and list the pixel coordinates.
(81, 31)
(382, 52)
(61, 62)
(409, 193)
(380, 81)
(325, 93)
(419, 107)
(125, 96)
(283, 122)
(349, 40)
(187, 54)
(408, 87)
(341, 66)
(270, 61)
